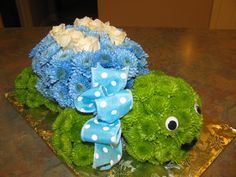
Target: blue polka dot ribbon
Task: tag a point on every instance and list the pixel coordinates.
(109, 102)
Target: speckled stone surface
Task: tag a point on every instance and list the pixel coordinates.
(206, 59)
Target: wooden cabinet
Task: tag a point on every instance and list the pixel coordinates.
(156, 13)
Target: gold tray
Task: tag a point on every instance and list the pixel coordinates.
(214, 138)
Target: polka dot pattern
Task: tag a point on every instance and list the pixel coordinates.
(80, 98)
(96, 155)
(123, 100)
(105, 128)
(113, 112)
(123, 75)
(109, 101)
(97, 94)
(113, 83)
(94, 137)
(104, 75)
(105, 150)
(103, 104)
(87, 126)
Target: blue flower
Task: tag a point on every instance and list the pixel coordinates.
(105, 57)
(143, 70)
(63, 55)
(82, 63)
(59, 71)
(105, 43)
(69, 26)
(142, 62)
(60, 93)
(82, 28)
(44, 89)
(130, 83)
(134, 48)
(77, 85)
(42, 45)
(125, 58)
(97, 34)
(60, 67)
(46, 55)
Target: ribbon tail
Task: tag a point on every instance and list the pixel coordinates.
(105, 156)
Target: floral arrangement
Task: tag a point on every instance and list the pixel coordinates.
(64, 58)
(89, 67)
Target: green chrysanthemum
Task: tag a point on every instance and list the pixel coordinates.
(168, 123)
(66, 138)
(148, 128)
(22, 79)
(82, 154)
(142, 150)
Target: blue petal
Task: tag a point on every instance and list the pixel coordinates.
(60, 93)
(77, 85)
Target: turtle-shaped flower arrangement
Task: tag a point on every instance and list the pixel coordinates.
(92, 67)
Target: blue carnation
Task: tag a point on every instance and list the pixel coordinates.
(77, 85)
(125, 58)
(60, 93)
(134, 48)
(82, 63)
(105, 57)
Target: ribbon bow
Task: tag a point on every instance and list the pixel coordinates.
(109, 101)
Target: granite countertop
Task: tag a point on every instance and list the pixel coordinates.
(206, 59)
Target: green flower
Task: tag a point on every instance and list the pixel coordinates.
(34, 99)
(148, 128)
(142, 150)
(82, 154)
(22, 79)
(66, 138)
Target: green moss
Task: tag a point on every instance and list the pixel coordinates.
(156, 98)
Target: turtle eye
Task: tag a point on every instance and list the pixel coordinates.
(172, 123)
(197, 108)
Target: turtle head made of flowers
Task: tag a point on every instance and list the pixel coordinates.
(165, 121)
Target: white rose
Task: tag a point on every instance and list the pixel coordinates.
(96, 25)
(117, 36)
(63, 39)
(84, 21)
(57, 29)
(87, 44)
